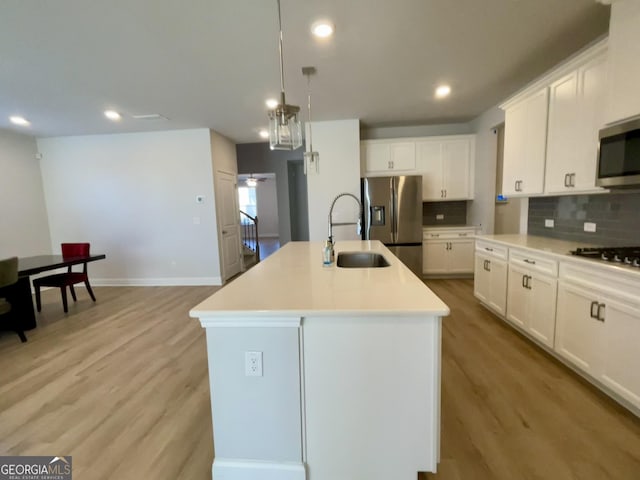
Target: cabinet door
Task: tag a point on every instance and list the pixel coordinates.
(461, 256)
(517, 296)
(624, 69)
(482, 279)
(622, 348)
(515, 129)
(592, 79)
(435, 256)
(579, 336)
(498, 295)
(535, 143)
(403, 155)
(377, 157)
(541, 318)
(430, 166)
(456, 157)
(562, 147)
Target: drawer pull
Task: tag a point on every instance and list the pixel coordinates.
(532, 262)
(591, 314)
(462, 234)
(488, 249)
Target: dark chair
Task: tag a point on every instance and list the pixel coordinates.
(8, 278)
(67, 279)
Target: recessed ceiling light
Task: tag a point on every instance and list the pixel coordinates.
(271, 103)
(322, 29)
(443, 91)
(263, 133)
(112, 115)
(20, 121)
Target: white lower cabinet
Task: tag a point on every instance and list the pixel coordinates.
(447, 256)
(490, 282)
(531, 303)
(600, 335)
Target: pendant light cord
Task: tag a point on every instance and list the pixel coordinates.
(309, 107)
(281, 56)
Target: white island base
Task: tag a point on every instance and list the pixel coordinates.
(350, 388)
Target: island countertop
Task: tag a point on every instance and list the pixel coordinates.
(293, 282)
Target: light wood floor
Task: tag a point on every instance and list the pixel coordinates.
(510, 411)
(122, 386)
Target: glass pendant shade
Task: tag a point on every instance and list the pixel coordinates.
(285, 129)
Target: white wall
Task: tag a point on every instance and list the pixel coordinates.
(24, 226)
(482, 208)
(133, 197)
(416, 131)
(267, 200)
(338, 143)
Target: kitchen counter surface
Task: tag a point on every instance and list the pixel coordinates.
(559, 249)
(293, 282)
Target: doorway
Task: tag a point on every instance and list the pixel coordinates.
(298, 206)
(258, 197)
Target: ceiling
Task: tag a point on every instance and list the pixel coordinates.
(213, 63)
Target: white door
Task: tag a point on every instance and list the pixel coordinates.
(403, 156)
(229, 224)
(579, 335)
(430, 167)
(377, 157)
(434, 256)
(536, 143)
(482, 279)
(455, 165)
(461, 255)
(542, 308)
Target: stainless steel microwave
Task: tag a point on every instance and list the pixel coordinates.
(619, 156)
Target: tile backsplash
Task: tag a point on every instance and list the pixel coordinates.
(616, 215)
(453, 213)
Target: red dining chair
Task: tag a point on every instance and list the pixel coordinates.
(67, 279)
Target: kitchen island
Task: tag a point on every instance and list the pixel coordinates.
(324, 372)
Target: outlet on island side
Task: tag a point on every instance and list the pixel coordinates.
(253, 364)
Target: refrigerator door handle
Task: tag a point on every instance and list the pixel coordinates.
(394, 210)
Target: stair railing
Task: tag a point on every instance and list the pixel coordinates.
(250, 239)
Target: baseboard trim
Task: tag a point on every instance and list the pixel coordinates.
(156, 282)
(228, 469)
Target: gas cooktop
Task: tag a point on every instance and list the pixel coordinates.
(622, 255)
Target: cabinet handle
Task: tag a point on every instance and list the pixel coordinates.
(566, 180)
(524, 281)
(462, 234)
(435, 234)
(445, 193)
(572, 179)
(601, 307)
(450, 246)
(488, 265)
(591, 314)
(532, 262)
(488, 249)
(528, 282)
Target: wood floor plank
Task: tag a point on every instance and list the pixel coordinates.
(122, 385)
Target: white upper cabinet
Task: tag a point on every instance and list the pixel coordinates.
(446, 163)
(576, 114)
(387, 157)
(623, 94)
(525, 144)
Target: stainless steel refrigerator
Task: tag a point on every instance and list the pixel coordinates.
(393, 214)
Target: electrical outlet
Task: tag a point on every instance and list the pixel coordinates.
(549, 223)
(253, 364)
(589, 227)
(440, 216)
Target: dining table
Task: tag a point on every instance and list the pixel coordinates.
(19, 294)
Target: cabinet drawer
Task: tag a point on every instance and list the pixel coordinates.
(448, 234)
(534, 262)
(492, 249)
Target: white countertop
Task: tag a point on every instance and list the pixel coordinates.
(293, 282)
(560, 250)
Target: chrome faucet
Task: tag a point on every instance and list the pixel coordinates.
(331, 224)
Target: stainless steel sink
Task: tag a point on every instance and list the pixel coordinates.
(361, 260)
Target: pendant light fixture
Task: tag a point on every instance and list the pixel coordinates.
(285, 131)
(311, 158)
